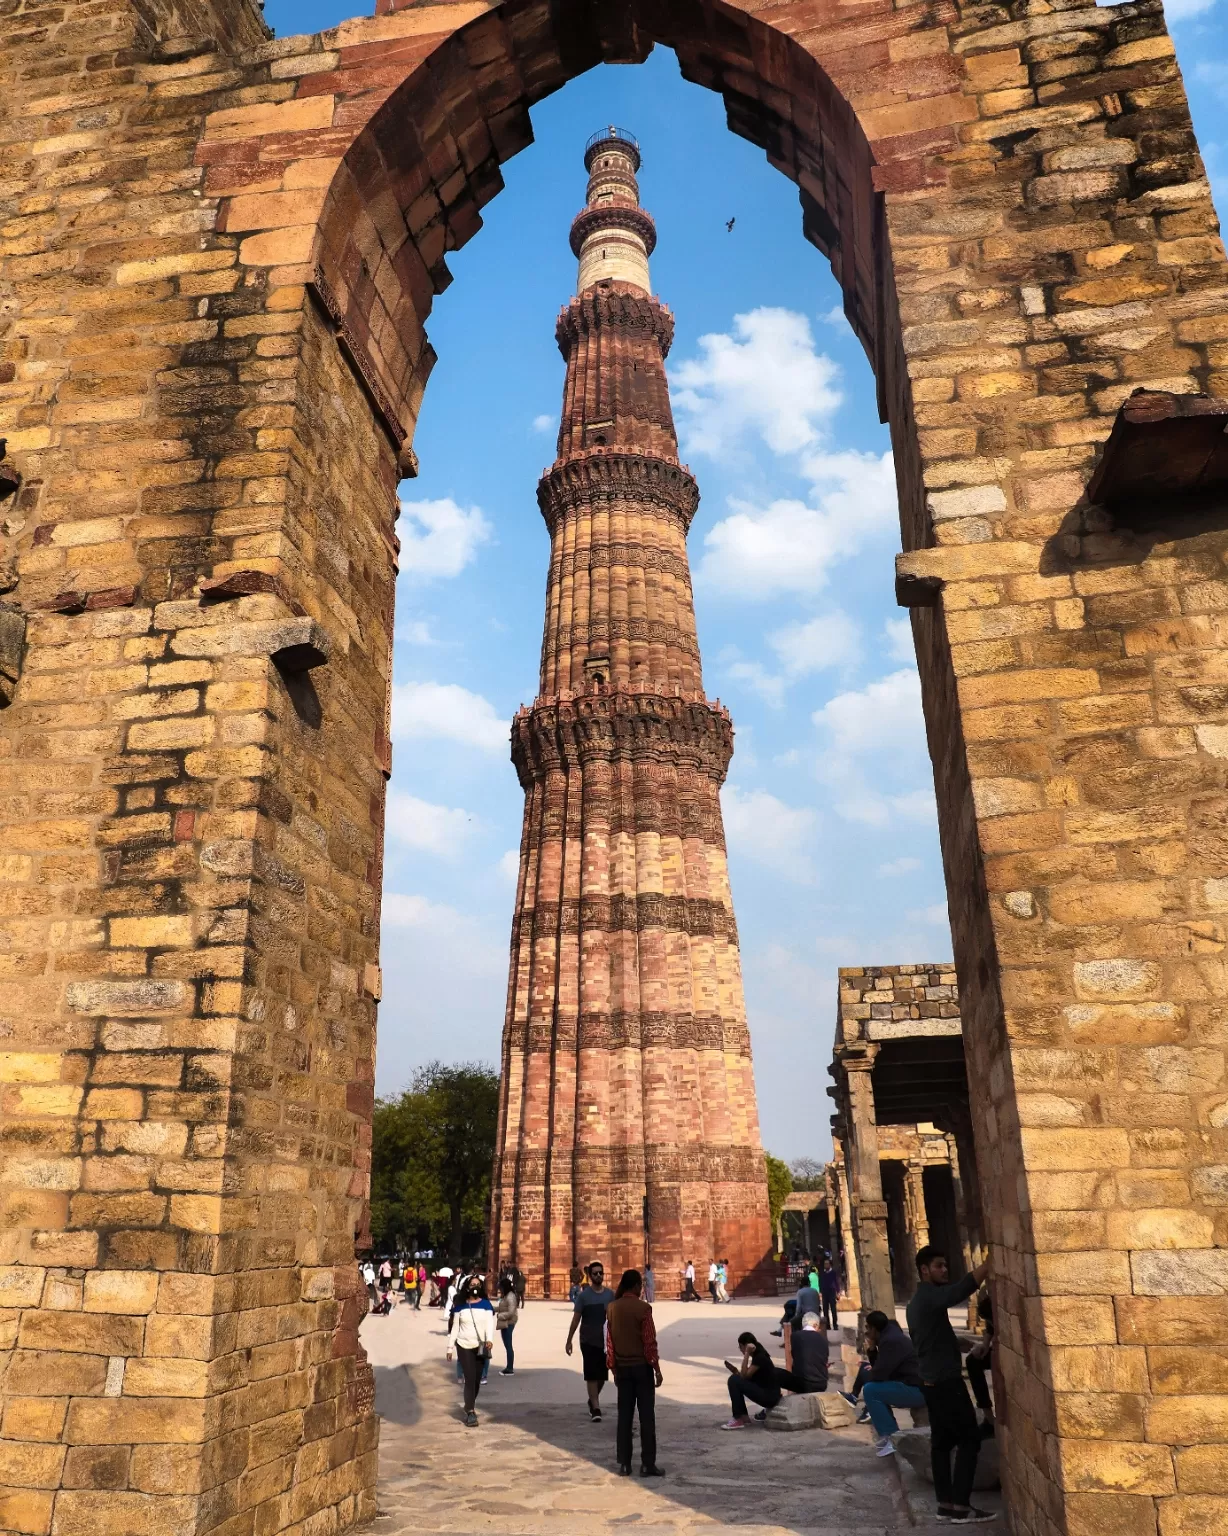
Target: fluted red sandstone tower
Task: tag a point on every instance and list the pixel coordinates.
(628, 1126)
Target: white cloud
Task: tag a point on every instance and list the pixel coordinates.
(765, 377)
(440, 538)
(789, 546)
(769, 687)
(447, 712)
(830, 640)
(432, 828)
(415, 632)
(898, 867)
(834, 316)
(898, 634)
(885, 715)
(873, 751)
(763, 828)
(936, 915)
(916, 805)
(509, 866)
(545, 423)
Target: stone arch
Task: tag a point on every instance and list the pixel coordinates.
(1014, 202)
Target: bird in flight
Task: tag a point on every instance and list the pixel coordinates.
(731, 223)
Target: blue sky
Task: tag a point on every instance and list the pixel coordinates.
(829, 809)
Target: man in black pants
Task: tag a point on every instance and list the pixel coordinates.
(953, 1425)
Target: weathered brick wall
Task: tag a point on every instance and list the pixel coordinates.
(1044, 243)
(191, 856)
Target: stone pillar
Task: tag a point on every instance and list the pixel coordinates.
(806, 1232)
(851, 1274)
(918, 1218)
(868, 1208)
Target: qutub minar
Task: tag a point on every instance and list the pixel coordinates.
(628, 1126)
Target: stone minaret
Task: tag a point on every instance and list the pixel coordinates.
(628, 1124)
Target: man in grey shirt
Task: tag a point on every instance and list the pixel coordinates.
(953, 1425)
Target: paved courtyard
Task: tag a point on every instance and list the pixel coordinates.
(537, 1465)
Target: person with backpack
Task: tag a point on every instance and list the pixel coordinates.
(471, 1337)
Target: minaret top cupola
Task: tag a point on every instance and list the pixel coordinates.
(613, 236)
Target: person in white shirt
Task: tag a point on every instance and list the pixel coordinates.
(471, 1334)
(688, 1275)
(712, 1277)
(368, 1279)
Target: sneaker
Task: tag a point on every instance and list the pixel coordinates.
(778, 1333)
(735, 1424)
(849, 1398)
(651, 1472)
(594, 1414)
(471, 1419)
(508, 1372)
(884, 1447)
(761, 1416)
(864, 1416)
(971, 1516)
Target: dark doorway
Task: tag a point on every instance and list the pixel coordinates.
(940, 1211)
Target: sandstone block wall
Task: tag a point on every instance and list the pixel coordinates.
(217, 267)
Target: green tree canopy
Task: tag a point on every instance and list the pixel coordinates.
(780, 1187)
(431, 1156)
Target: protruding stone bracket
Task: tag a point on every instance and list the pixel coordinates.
(304, 646)
(915, 589)
(293, 645)
(1163, 448)
(243, 584)
(12, 651)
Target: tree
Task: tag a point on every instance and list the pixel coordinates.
(780, 1187)
(808, 1173)
(431, 1155)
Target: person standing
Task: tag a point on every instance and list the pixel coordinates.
(576, 1279)
(409, 1283)
(520, 1285)
(471, 1334)
(754, 1378)
(506, 1314)
(722, 1277)
(368, 1276)
(591, 1302)
(829, 1290)
(712, 1274)
(953, 1426)
(689, 1292)
(650, 1285)
(631, 1353)
(420, 1287)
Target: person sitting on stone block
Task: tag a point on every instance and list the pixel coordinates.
(754, 1377)
(808, 1370)
(893, 1380)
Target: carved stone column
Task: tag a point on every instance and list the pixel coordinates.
(851, 1272)
(869, 1209)
(918, 1217)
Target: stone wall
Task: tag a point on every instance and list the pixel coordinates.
(216, 276)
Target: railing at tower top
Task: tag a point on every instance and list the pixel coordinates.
(605, 135)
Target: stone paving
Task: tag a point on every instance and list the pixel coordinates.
(537, 1465)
